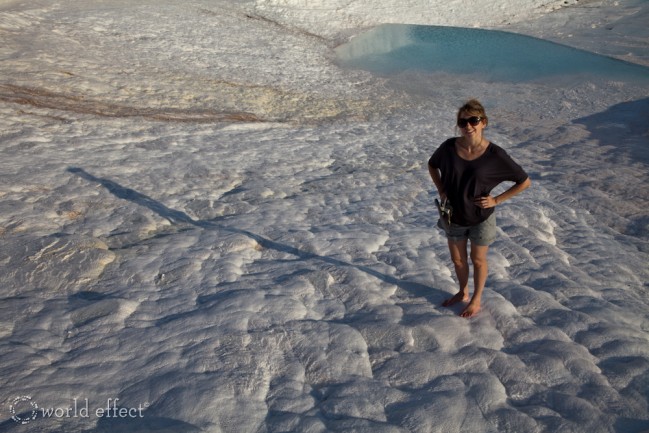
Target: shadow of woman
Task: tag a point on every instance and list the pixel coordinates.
(181, 218)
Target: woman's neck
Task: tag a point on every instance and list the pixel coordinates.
(472, 144)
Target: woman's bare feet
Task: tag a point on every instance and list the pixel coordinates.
(471, 310)
(458, 297)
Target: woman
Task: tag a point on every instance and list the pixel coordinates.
(465, 169)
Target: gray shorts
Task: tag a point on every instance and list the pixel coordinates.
(480, 234)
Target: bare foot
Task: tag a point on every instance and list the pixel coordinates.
(470, 310)
(459, 297)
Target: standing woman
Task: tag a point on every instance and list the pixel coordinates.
(465, 169)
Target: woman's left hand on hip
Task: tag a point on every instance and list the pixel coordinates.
(485, 202)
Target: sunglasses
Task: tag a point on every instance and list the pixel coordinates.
(473, 121)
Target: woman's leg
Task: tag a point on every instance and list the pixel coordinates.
(480, 272)
(459, 257)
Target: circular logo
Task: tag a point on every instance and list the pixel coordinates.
(24, 417)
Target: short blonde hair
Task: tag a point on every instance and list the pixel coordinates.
(474, 108)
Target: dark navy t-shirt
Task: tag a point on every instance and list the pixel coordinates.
(465, 180)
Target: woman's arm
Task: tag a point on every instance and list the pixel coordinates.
(489, 201)
(437, 180)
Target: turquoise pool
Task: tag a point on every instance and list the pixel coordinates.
(491, 54)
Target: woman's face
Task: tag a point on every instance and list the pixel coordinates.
(471, 125)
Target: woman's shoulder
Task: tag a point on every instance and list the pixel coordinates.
(443, 152)
(446, 145)
(496, 149)
(448, 142)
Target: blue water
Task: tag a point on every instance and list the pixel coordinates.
(491, 54)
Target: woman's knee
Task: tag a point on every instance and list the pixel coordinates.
(479, 256)
(459, 255)
(459, 261)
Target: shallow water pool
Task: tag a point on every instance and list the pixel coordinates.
(490, 54)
